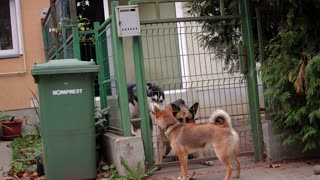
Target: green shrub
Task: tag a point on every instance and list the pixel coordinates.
(291, 75)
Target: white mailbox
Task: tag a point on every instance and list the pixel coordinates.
(128, 21)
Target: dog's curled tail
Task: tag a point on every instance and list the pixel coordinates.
(219, 116)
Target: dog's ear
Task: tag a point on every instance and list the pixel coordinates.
(149, 86)
(169, 108)
(149, 90)
(194, 108)
(156, 109)
(175, 109)
(134, 91)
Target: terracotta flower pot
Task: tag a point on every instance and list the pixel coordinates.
(11, 129)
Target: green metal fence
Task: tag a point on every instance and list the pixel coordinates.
(169, 54)
(175, 59)
(62, 39)
(60, 31)
(112, 79)
(113, 83)
(177, 62)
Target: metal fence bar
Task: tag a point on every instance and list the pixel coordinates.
(55, 24)
(101, 75)
(105, 23)
(185, 19)
(75, 31)
(158, 1)
(142, 96)
(253, 95)
(117, 48)
(45, 35)
(108, 76)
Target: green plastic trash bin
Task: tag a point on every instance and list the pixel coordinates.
(66, 94)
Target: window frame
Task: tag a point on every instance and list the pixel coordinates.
(16, 30)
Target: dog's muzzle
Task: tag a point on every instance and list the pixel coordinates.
(151, 107)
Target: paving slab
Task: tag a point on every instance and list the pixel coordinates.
(5, 157)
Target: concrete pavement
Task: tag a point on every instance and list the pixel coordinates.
(285, 170)
(293, 170)
(5, 157)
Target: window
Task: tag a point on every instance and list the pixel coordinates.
(10, 29)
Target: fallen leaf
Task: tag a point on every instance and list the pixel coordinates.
(170, 178)
(34, 175)
(275, 165)
(40, 178)
(204, 172)
(151, 178)
(25, 175)
(8, 178)
(193, 174)
(265, 165)
(15, 176)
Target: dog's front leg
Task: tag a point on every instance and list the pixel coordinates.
(183, 165)
(133, 133)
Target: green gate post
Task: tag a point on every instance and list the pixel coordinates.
(118, 58)
(252, 84)
(142, 96)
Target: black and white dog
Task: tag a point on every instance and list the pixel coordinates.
(155, 97)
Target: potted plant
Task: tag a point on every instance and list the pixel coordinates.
(11, 126)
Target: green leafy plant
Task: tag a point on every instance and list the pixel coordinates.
(290, 72)
(101, 123)
(138, 173)
(219, 36)
(84, 24)
(24, 151)
(36, 107)
(5, 117)
(291, 75)
(110, 171)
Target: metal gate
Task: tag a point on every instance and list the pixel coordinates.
(177, 60)
(169, 53)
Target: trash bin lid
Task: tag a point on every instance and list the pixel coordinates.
(64, 66)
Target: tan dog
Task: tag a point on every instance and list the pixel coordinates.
(186, 138)
(183, 114)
